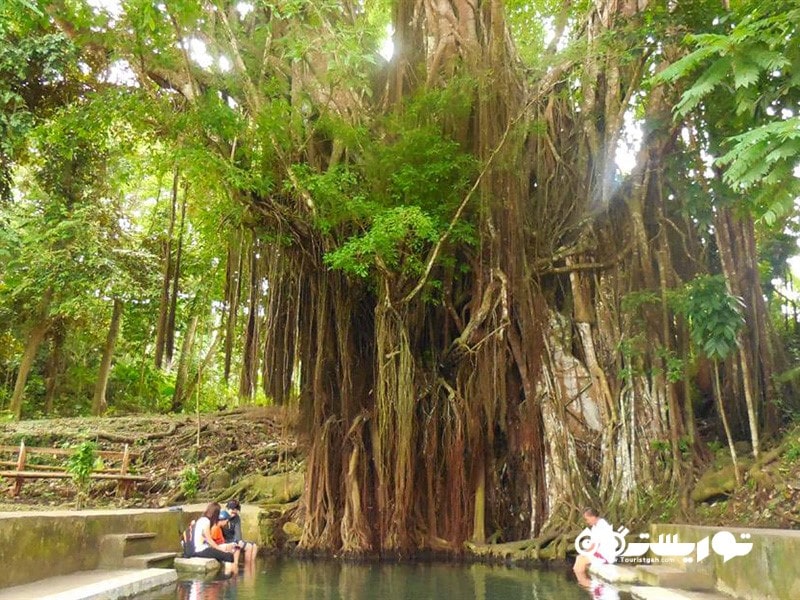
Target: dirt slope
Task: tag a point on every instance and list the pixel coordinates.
(233, 444)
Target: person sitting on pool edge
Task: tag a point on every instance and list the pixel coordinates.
(601, 550)
(206, 547)
(233, 532)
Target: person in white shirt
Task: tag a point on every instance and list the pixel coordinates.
(206, 547)
(601, 549)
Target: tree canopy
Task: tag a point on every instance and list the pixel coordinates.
(491, 250)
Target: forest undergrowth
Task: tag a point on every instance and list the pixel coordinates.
(240, 443)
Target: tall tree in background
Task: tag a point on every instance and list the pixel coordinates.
(477, 301)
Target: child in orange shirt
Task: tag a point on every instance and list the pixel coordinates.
(216, 530)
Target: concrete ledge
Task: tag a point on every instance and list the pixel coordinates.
(37, 545)
(768, 570)
(671, 577)
(614, 573)
(197, 565)
(659, 593)
(92, 585)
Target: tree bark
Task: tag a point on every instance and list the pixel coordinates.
(249, 372)
(187, 348)
(99, 403)
(54, 367)
(741, 277)
(725, 425)
(169, 345)
(164, 302)
(35, 338)
(204, 364)
(233, 290)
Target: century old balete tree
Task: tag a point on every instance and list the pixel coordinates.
(482, 305)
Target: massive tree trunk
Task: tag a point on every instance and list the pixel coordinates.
(553, 356)
(99, 403)
(492, 382)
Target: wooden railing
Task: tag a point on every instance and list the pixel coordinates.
(24, 470)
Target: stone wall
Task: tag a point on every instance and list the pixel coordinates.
(35, 545)
(770, 571)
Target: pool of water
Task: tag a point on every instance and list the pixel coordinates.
(288, 579)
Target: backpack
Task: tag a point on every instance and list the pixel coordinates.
(187, 540)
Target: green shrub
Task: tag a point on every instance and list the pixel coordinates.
(80, 466)
(190, 482)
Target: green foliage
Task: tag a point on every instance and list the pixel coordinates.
(633, 301)
(190, 481)
(136, 385)
(15, 5)
(401, 198)
(753, 50)
(684, 446)
(35, 77)
(754, 65)
(765, 158)
(338, 195)
(715, 446)
(675, 366)
(661, 446)
(793, 451)
(396, 240)
(713, 314)
(81, 465)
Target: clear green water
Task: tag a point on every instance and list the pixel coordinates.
(287, 579)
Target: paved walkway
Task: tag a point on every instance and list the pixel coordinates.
(92, 585)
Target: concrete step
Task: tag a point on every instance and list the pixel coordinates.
(162, 560)
(675, 578)
(661, 593)
(115, 547)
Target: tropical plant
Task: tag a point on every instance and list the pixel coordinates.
(190, 481)
(81, 465)
(715, 320)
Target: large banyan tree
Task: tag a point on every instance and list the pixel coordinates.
(486, 319)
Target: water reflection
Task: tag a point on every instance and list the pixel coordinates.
(287, 579)
(603, 591)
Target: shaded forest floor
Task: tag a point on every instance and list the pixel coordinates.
(768, 497)
(233, 444)
(236, 445)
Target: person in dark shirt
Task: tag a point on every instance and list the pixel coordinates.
(233, 532)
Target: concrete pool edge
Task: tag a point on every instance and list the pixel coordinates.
(93, 585)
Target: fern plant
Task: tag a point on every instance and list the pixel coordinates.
(755, 65)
